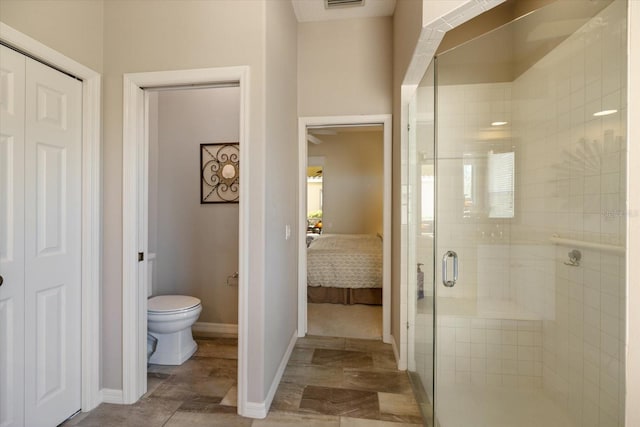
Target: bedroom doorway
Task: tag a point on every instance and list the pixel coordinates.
(345, 213)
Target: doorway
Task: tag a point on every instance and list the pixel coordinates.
(329, 123)
(192, 237)
(136, 215)
(344, 232)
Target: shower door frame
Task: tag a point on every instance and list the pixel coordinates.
(438, 21)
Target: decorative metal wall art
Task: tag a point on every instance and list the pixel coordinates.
(220, 173)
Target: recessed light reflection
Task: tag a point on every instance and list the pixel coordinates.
(604, 113)
(498, 123)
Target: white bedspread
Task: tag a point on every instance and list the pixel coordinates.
(345, 261)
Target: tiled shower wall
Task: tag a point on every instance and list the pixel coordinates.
(571, 181)
(490, 352)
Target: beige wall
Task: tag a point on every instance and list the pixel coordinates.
(279, 295)
(345, 67)
(353, 180)
(172, 35)
(73, 28)
(196, 245)
(434, 9)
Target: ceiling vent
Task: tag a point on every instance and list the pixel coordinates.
(331, 4)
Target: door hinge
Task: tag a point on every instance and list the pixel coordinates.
(409, 127)
(407, 326)
(140, 256)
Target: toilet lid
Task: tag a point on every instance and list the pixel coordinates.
(164, 303)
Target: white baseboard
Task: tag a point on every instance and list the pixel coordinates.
(261, 409)
(205, 328)
(257, 410)
(387, 338)
(110, 395)
(396, 353)
(280, 371)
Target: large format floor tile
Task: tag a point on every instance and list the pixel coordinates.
(324, 376)
(200, 419)
(328, 382)
(359, 422)
(288, 419)
(378, 380)
(187, 388)
(354, 379)
(288, 397)
(342, 358)
(146, 412)
(340, 401)
(399, 407)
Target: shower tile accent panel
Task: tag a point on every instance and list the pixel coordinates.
(580, 195)
(492, 352)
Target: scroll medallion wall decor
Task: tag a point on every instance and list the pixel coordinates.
(220, 173)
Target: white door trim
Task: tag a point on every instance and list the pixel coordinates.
(134, 296)
(91, 204)
(303, 123)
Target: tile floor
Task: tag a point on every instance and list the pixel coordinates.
(329, 382)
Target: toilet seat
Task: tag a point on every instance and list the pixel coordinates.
(169, 304)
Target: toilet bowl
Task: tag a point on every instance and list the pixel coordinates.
(169, 319)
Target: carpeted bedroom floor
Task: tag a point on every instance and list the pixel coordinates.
(348, 321)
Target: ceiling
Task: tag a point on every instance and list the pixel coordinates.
(318, 134)
(315, 10)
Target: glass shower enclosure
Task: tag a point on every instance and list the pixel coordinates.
(516, 223)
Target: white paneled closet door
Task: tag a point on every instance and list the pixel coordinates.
(12, 70)
(45, 225)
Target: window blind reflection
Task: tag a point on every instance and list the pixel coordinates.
(501, 184)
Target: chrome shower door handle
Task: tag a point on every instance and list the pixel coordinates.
(445, 273)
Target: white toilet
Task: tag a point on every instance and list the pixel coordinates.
(169, 319)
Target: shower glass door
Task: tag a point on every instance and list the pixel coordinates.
(516, 197)
(420, 204)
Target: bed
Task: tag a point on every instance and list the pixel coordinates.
(345, 269)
